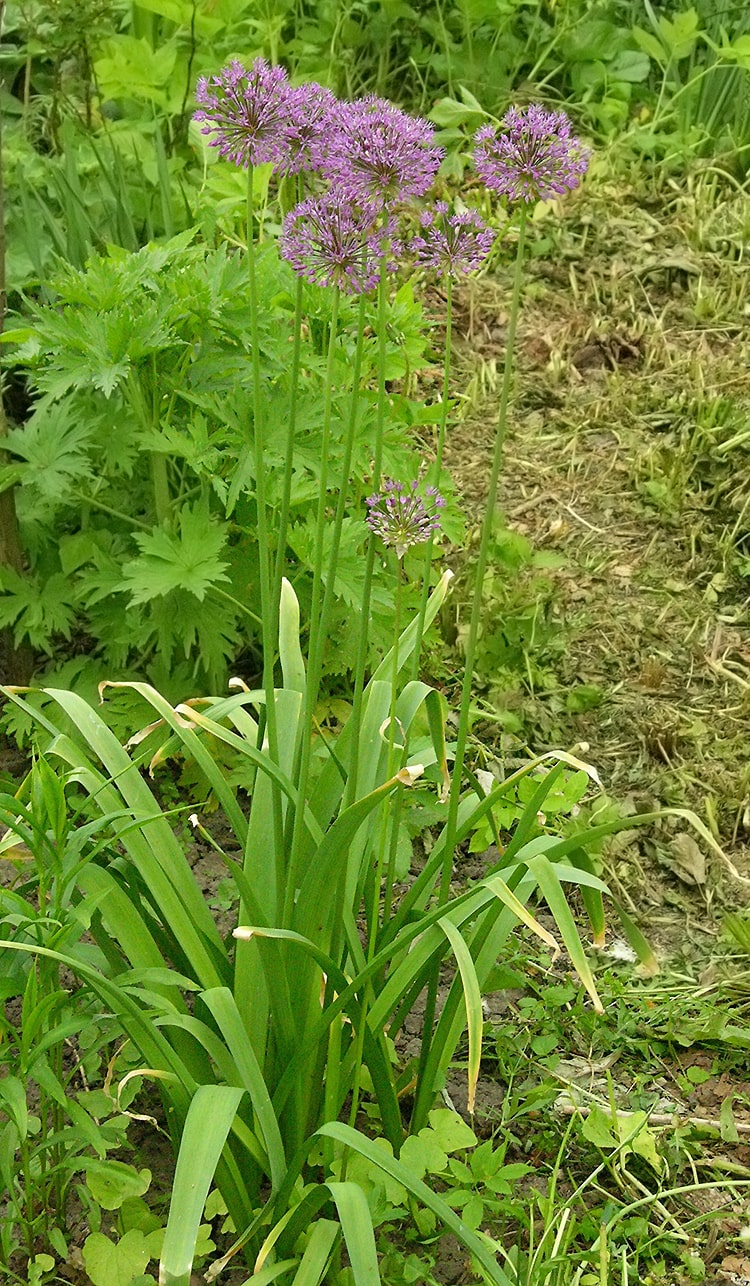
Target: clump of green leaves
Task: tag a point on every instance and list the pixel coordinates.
(180, 991)
(135, 475)
(700, 60)
(560, 803)
(56, 1133)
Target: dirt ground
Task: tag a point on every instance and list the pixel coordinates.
(627, 471)
(627, 461)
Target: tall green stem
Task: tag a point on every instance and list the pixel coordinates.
(286, 493)
(346, 464)
(442, 424)
(267, 612)
(427, 568)
(317, 636)
(392, 809)
(481, 567)
(383, 846)
(350, 794)
(338, 521)
(454, 798)
(377, 875)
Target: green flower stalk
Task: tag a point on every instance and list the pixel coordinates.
(454, 797)
(482, 559)
(341, 506)
(328, 241)
(362, 650)
(317, 633)
(401, 518)
(438, 466)
(286, 491)
(532, 156)
(245, 113)
(448, 245)
(394, 804)
(269, 614)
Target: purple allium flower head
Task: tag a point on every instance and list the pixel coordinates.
(451, 243)
(245, 111)
(401, 516)
(532, 157)
(310, 120)
(377, 153)
(331, 242)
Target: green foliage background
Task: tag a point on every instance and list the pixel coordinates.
(136, 358)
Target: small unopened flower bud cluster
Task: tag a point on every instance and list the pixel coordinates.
(403, 517)
(452, 243)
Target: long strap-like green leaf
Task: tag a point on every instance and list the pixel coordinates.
(208, 1123)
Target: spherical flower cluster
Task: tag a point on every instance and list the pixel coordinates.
(401, 516)
(379, 154)
(451, 243)
(532, 157)
(310, 120)
(245, 111)
(331, 242)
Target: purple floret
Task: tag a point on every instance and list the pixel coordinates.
(401, 516)
(452, 243)
(246, 112)
(331, 242)
(377, 153)
(532, 156)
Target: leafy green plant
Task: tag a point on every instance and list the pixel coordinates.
(293, 1026)
(581, 1095)
(560, 802)
(703, 57)
(473, 1178)
(56, 1133)
(157, 921)
(272, 1047)
(77, 180)
(139, 444)
(602, 65)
